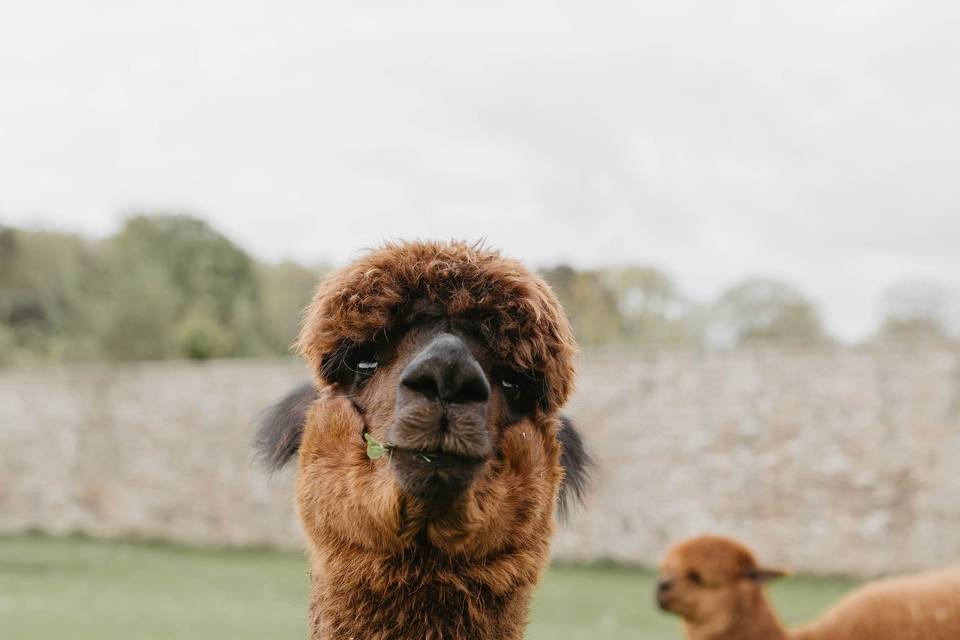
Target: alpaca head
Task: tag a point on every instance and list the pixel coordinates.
(458, 361)
(708, 580)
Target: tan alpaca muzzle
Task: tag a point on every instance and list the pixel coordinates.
(664, 594)
(439, 437)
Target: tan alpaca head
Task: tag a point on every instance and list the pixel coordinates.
(457, 359)
(706, 580)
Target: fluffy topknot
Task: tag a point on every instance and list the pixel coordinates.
(515, 310)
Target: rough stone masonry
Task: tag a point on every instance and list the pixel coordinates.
(832, 461)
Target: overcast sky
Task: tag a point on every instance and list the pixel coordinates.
(815, 141)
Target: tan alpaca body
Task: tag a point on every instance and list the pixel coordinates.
(918, 607)
(715, 585)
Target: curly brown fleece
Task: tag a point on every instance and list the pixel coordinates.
(515, 310)
(385, 565)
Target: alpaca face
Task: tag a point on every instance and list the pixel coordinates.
(438, 397)
(704, 578)
(696, 587)
(459, 361)
(472, 462)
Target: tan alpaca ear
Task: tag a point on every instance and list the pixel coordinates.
(763, 575)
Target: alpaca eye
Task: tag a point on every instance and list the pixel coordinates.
(518, 389)
(511, 389)
(365, 370)
(366, 359)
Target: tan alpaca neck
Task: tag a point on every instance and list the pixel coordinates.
(386, 566)
(753, 620)
(364, 596)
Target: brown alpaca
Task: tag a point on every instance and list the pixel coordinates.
(459, 360)
(716, 586)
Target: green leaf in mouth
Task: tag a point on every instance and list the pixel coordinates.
(375, 448)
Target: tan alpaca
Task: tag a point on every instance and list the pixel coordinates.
(715, 585)
(459, 360)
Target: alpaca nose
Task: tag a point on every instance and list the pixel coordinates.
(663, 593)
(446, 371)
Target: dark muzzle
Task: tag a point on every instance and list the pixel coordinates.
(439, 436)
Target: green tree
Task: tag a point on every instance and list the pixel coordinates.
(137, 306)
(177, 272)
(590, 302)
(919, 310)
(763, 310)
(45, 279)
(164, 286)
(285, 290)
(653, 309)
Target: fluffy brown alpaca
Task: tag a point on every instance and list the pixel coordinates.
(716, 586)
(460, 360)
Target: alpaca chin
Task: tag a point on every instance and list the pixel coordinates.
(435, 477)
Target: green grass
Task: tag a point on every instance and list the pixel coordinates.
(93, 590)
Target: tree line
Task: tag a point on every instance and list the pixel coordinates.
(171, 286)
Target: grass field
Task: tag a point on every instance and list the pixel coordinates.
(91, 590)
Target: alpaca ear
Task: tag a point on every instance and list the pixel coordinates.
(577, 466)
(280, 427)
(762, 575)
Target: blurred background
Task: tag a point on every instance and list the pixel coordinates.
(748, 209)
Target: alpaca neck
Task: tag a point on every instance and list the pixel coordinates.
(753, 619)
(419, 595)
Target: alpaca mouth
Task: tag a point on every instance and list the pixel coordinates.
(435, 476)
(434, 443)
(664, 602)
(435, 459)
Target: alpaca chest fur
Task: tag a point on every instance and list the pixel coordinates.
(395, 571)
(754, 620)
(420, 597)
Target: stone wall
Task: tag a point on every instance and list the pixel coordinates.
(840, 461)
(159, 450)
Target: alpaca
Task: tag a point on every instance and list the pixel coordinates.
(716, 586)
(458, 361)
